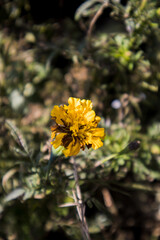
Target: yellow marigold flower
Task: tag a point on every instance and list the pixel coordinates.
(76, 127)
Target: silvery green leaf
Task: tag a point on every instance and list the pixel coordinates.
(14, 194)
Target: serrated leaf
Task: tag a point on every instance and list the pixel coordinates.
(18, 136)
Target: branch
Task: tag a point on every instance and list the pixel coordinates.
(96, 16)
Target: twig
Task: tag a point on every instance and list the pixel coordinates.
(96, 16)
(80, 206)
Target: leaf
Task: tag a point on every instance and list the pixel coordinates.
(58, 151)
(82, 10)
(19, 151)
(7, 176)
(142, 168)
(143, 4)
(136, 186)
(18, 136)
(151, 87)
(68, 204)
(55, 154)
(14, 194)
(105, 159)
(1, 209)
(101, 207)
(28, 194)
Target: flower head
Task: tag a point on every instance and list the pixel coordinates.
(76, 127)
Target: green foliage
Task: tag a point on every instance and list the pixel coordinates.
(110, 54)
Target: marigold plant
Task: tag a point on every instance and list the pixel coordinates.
(76, 127)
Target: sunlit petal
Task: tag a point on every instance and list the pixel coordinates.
(96, 143)
(90, 116)
(98, 132)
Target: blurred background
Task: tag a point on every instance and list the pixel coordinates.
(106, 51)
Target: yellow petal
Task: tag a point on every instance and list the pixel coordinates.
(54, 111)
(98, 132)
(97, 119)
(90, 116)
(59, 114)
(87, 104)
(96, 143)
(75, 128)
(73, 102)
(58, 140)
(72, 149)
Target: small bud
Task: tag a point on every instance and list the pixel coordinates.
(134, 145)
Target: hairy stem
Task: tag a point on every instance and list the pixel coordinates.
(80, 206)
